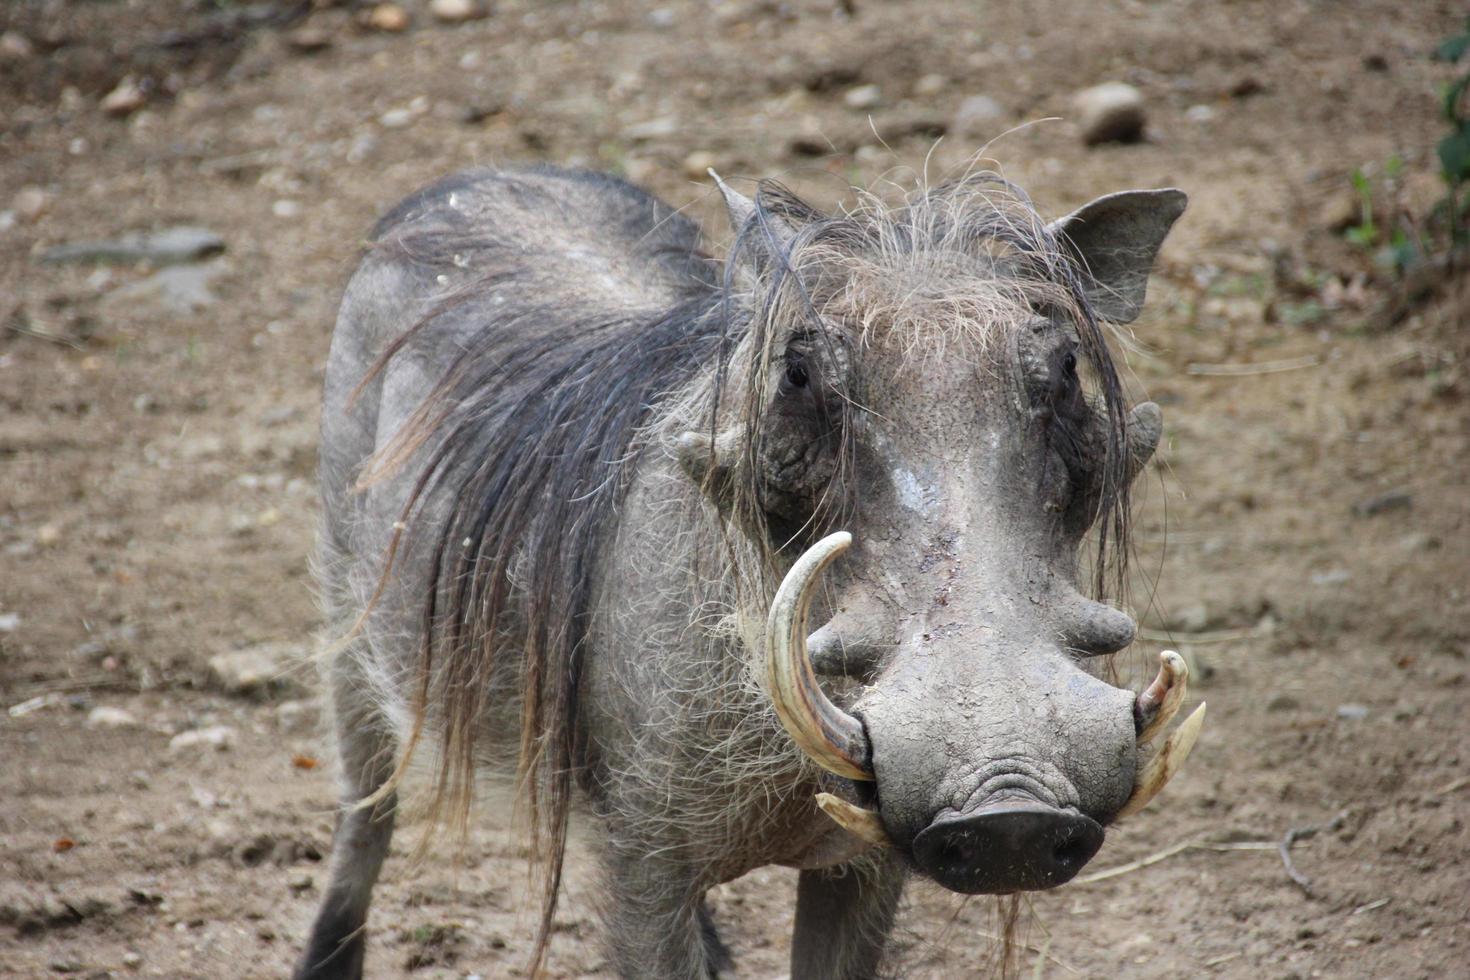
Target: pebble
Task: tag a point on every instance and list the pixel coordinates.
(1352, 712)
(47, 535)
(1283, 702)
(456, 11)
(254, 670)
(296, 716)
(218, 737)
(1110, 113)
(15, 46)
(863, 97)
(286, 208)
(181, 289)
(979, 115)
(1200, 113)
(1384, 503)
(105, 717)
(396, 118)
(171, 246)
(124, 100)
(30, 203)
(698, 164)
(309, 40)
(9, 622)
(132, 960)
(387, 17)
(930, 85)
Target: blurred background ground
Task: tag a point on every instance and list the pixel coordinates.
(1306, 522)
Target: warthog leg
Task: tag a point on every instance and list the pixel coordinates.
(657, 925)
(360, 843)
(843, 917)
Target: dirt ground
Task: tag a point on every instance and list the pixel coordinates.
(1305, 537)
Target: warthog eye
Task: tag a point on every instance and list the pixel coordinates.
(796, 375)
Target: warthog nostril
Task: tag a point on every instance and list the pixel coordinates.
(1007, 848)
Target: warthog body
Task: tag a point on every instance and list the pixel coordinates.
(567, 458)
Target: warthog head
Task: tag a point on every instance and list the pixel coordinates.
(933, 424)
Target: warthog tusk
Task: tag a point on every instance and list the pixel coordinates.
(862, 824)
(1160, 701)
(829, 736)
(1165, 763)
(1145, 427)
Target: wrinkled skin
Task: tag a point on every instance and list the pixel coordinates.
(953, 629)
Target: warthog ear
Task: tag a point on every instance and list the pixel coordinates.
(779, 216)
(1116, 239)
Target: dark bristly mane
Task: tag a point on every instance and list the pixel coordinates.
(535, 430)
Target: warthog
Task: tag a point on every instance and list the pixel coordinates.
(584, 486)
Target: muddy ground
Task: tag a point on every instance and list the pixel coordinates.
(1305, 536)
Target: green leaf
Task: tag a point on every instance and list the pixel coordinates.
(1450, 99)
(1454, 156)
(1453, 49)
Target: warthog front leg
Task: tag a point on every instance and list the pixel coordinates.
(843, 917)
(657, 925)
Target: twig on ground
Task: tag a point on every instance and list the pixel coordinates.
(1211, 636)
(1303, 833)
(1244, 370)
(1168, 852)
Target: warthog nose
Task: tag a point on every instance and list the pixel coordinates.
(1007, 848)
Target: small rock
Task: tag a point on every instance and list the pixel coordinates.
(697, 164)
(1420, 541)
(299, 881)
(218, 737)
(286, 208)
(1283, 702)
(387, 17)
(1352, 712)
(1200, 113)
(309, 40)
(1375, 62)
(863, 97)
(47, 535)
(930, 85)
(256, 669)
(178, 289)
(171, 246)
(979, 115)
(132, 960)
(15, 46)
(1245, 86)
(1341, 212)
(30, 203)
(396, 118)
(456, 11)
(9, 622)
(661, 19)
(1383, 503)
(1111, 113)
(105, 717)
(1333, 576)
(651, 129)
(124, 100)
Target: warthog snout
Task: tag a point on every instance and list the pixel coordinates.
(979, 808)
(1007, 847)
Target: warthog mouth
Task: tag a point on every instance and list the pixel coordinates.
(837, 741)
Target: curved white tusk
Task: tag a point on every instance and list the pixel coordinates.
(863, 824)
(829, 736)
(1160, 701)
(1165, 763)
